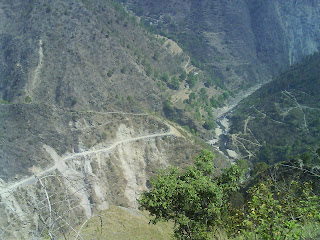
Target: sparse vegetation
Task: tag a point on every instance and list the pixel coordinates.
(4, 102)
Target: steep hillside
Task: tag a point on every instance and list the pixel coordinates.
(240, 42)
(64, 56)
(285, 31)
(122, 224)
(281, 118)
(79, 54)
(59, 168)
(87, 88)
(78, 80)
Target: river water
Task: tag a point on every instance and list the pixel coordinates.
(221, 138)
(223, 124)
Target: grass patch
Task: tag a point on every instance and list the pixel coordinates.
(122, 223)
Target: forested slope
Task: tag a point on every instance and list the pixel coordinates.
(283, 117)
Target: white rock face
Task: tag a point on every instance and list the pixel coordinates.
(300, 22)
(79, 185)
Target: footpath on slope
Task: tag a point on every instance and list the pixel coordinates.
(220, 113)
(59, 162)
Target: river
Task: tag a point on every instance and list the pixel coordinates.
(223, 124)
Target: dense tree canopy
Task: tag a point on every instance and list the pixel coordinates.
(191, 198)
(199, 202)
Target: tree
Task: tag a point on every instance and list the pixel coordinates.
(192, 80)
(130, 100)
(27, 99)
(110, 73)
(226, 95)
(174, 83)
(123, 69)
(183, 76)
(165, 77)
(259, 167)
(283, 199)
(203, 94)
(277, 209)
(148, 70)
(192, 96)
(209, 124)
(214, 103)
(275, 206)
(156, 56)
(209, 82)
(193, 199)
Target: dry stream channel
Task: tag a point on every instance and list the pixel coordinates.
(219, 141)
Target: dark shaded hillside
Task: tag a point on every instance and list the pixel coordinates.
(285, 31)
(283, 117)
(240, 42)
(218, 34)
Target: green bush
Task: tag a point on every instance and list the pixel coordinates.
(110, 73)
(123, 70)
(183, 76)
(27, 99)
(175, 84)
(4, 102)
(192, 80)
(148, 71)
(209, 82)
(165, 77)
(192, 199)
(130, 100)
(192, 96)
(199, 202)
(156, 56)
(209, 124)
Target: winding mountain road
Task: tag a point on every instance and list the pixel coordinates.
(60, 162)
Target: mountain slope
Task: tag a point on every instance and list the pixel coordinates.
(80, 82)
(241, 42)
(64, 56)
(57, 52)
(281, 118)
(76, 82)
